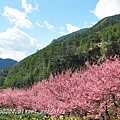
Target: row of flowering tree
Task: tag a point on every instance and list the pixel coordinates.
(94, 91)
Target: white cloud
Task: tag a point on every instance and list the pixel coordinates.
(72, 28)
(16, 44)
(17, 17)
(49, 26)
(28, 7)
(106, 8)
(61, 31)
(39, 25)
(8, 53)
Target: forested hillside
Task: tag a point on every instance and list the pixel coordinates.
(94, 44)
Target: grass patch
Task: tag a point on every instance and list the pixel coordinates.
(12, 114)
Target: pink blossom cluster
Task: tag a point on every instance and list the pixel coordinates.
(94, 91)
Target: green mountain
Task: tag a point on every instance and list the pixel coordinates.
(6, 63)
(93, 44)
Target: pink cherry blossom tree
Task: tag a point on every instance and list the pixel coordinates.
(94, 91)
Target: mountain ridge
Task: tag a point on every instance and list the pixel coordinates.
(70, 34)
(6, 62)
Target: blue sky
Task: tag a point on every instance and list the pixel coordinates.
(29, 25)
